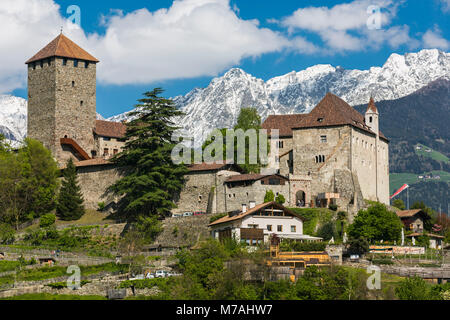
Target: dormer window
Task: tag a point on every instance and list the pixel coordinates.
(320, 120)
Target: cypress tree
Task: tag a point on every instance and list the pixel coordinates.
(70, 201)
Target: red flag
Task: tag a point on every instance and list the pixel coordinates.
(400, 190)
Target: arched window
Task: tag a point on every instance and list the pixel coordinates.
(371, 119)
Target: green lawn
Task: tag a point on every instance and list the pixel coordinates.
(433, 154)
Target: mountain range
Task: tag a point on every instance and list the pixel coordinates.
(218, 105)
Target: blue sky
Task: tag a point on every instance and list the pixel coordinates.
(265, 38)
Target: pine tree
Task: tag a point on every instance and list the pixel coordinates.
(151, 179)
(70, 201)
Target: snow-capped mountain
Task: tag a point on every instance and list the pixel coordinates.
(219, 104)
(13, 117)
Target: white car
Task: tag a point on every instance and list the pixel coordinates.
(177, 215)
(188, 214)
(161, 274)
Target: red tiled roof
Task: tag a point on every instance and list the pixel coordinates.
(245, 177)
(110, 129)
(92, 162)
(284, 123)
(333, 111)
(89, 163)
(410, 213)
(209, 166)
(251, 177)
(62, 46)
(251, 211)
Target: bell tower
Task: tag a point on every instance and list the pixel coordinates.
(62, 99)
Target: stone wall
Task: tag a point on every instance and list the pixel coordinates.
(94, 181)
(236, 197)
(184, 232)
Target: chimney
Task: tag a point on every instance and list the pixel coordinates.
(252, 204)
(244, 208)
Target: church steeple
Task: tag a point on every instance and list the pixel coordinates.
(372, 116)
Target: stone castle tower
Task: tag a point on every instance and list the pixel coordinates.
(62, 99)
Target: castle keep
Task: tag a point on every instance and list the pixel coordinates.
(62, 115)
(62, 104)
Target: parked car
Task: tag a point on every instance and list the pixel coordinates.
(174, 274)
(199, 213)
(177, 215)
(150, 275)
(188, 214)
(161, 274)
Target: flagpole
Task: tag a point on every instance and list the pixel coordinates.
(407, 197)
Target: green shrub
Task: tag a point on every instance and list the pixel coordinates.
(293, 245)
(101, 206)
(7, 234)
(333, 207)
(280, 199)
(47, 220)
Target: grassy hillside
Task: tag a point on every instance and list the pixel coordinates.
(435, 155)
(399, 179)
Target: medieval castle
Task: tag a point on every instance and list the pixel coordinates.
(333, 155)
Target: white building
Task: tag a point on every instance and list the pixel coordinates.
(256, 224)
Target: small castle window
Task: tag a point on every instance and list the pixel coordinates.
(73, 84)
(106, 152)
(81, 103)
(75, 63)
(323, 139)
(280, 144)
(86, 64)
(371, 119)
(106, 139)
(42, 64)
(116, 151)
(33, 65)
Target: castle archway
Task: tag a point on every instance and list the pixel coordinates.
(300, 198)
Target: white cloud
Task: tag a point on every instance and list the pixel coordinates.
(192, 38)
(344, 27)
(26, 25)
(446, 5)
(433, 39)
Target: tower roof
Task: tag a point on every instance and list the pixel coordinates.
(333, 111)
(63, 47)
(372, 107)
